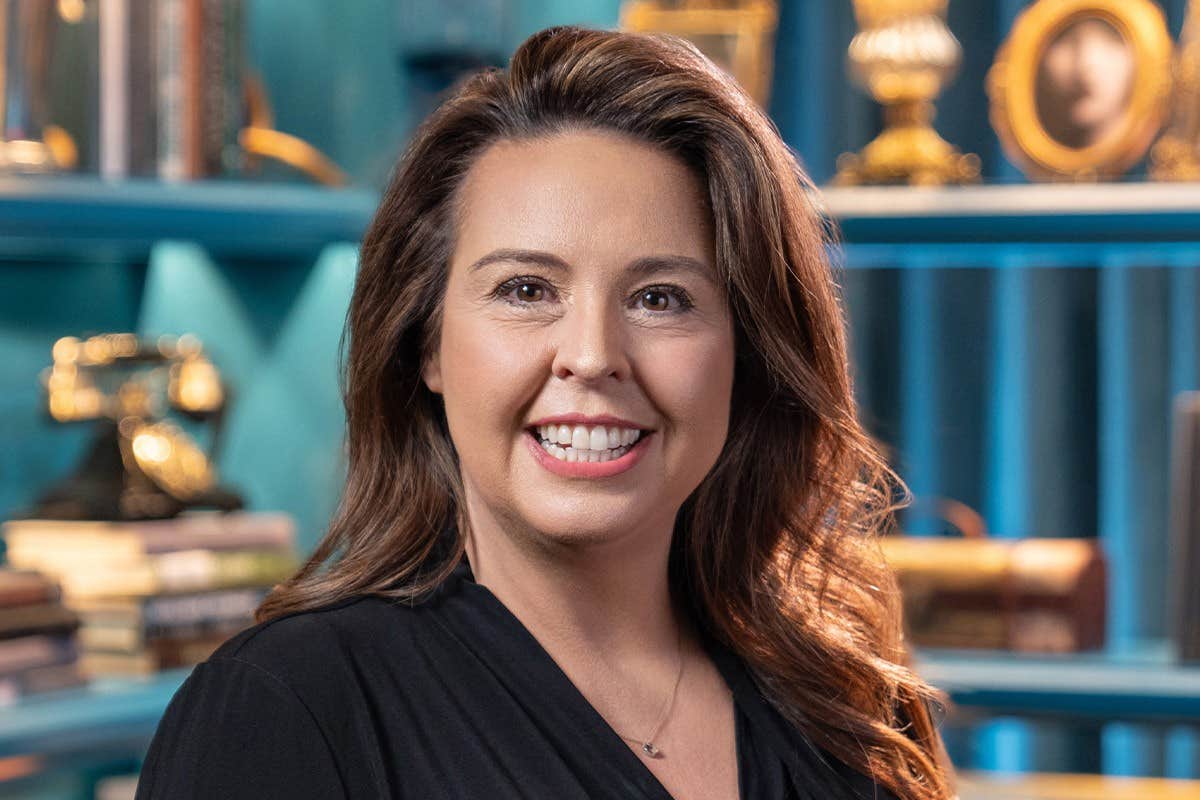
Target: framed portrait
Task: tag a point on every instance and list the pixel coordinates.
(1080, 88)
(738, 35)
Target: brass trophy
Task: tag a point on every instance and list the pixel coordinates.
(903, 54)
(141, 463)
(1176, 156)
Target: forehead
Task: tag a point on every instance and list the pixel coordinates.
(582, 195)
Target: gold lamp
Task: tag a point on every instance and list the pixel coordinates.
(1176, 156)
(903, 55)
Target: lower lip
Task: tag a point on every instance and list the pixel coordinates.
(587, 469)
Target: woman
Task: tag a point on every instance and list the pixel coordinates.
(607, 528)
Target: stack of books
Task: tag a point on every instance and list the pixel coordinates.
(38, 650)
(157, 594)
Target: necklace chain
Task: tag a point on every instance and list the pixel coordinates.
(647, 745)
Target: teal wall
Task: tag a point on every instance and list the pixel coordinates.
(335, 79)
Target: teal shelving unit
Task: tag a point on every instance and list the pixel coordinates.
(976, 289)
(110, 717)
(1145, 686)
(88, 217)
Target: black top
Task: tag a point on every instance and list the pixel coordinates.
(451, 697)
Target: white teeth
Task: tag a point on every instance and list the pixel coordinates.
(572, 455)
(580, 438)
(584, 443)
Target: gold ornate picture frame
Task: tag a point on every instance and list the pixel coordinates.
(1051, 125)
(738, 35)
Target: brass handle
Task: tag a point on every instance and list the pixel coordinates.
(292, 151)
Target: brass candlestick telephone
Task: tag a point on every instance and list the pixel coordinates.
(141, 464)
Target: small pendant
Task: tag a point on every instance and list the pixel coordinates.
(650, 750)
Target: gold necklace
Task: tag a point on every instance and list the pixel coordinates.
(648, 747)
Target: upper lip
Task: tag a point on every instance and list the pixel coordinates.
(585, 419)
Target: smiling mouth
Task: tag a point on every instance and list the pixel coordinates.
(591, 444)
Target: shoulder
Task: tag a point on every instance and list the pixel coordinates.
(325, 631)
(276, 709)
(309, 643)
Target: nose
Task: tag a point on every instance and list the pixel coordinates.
(590, 343)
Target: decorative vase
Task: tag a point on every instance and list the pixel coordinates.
(903, 55)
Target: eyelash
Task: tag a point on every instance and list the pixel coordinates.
(681, 297)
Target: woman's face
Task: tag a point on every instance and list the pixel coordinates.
(582, 285)
(1086, 77)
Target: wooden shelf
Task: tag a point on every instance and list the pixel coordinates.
(88, 217)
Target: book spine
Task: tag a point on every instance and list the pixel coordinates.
(168, 574)
(38, 680)
(143, 100)
(171, 89)
(114, 89)
(43, 618)
(135, 639)
(236, 530)
(23, 652)
(26, 587)
(155, 656)
(212, 90)
(233, 84)
(159, 612)
(193, 79)
(1185, 524)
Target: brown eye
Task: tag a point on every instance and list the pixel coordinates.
(529, 291)
(655, 300)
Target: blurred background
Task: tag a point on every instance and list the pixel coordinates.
(183, 184)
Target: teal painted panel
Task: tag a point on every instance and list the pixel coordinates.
(273, 332)
(285, 438)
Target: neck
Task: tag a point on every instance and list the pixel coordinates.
(606, 603)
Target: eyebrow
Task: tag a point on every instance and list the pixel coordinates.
(639, 266)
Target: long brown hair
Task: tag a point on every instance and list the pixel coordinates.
(776, 549)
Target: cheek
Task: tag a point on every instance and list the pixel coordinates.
(693, 378)
(483, 370)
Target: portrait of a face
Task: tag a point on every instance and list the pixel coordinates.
(1084, 83)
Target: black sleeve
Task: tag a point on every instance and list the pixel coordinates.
(233, 730)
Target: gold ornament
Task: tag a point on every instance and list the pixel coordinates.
(903, 55)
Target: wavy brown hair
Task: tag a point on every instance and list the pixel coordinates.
(775, 551)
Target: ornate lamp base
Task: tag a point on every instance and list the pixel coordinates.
(908, 151)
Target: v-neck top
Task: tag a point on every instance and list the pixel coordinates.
(448, 697)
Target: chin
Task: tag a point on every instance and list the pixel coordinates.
(588, 523)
